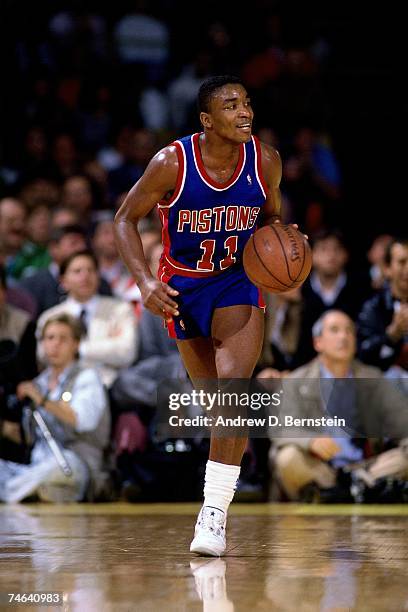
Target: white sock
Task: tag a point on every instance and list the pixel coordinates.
(220, 484)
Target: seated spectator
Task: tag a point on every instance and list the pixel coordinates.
(300, 456)
(65, 154)
(111, 266)
(40, 190)
(383, 321)
(376, 259)
(109, 343)
(45, 285)
(16, 325)
(34, 255)
(17, 363)
(330, 285)
(63, 215)
(282, 329)
(77, 195)
(141, 146)
(16, 295)
(73, 404)
(12, 230)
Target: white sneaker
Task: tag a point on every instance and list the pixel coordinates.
(209, 534)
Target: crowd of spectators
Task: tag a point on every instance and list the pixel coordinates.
(102, 93)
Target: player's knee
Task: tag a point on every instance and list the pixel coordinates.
(233, 368)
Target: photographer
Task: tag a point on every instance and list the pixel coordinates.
(72, 402)
(17, 363)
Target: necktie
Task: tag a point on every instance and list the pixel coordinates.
(83, 318)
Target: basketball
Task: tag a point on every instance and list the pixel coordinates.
(277, 258)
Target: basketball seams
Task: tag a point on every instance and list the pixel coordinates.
(269, 262)
(263, 286)
(268, 271)
(283, 251)
(303, 262)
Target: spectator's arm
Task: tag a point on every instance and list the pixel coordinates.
(294, 404)
(374, 345)
(88, 400)
(119, 349)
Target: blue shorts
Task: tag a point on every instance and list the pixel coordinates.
(199, 297)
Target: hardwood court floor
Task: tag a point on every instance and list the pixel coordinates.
(281, 557)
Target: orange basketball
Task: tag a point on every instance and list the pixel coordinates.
(277, 258)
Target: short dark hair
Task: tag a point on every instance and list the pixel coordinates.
(209, 86)
(325, 234)
(59, 232)
(388, 251)
(84, 253)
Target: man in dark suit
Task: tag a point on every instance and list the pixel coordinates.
(383, 321)
(335, 384)
(330, 286)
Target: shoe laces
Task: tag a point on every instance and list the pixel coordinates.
(212, 520)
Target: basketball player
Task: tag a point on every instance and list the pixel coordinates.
(210, 189)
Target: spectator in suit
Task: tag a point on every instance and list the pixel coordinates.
(111, 327)
(329, 286)
(282, 330)
(304, 455)
(383, 321)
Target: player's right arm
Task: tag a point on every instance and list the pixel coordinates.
(157, 183)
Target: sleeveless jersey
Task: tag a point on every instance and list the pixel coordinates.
(206, 224)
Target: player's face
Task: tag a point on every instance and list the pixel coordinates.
(231, 114)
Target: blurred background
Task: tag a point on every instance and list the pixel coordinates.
(98, 91)
(91, 93)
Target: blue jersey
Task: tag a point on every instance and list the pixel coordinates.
(206, 224)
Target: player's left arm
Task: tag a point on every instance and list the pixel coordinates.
(272, 174)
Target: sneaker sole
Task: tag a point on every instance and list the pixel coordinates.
(206, 551)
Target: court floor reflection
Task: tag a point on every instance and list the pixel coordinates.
(125, 558)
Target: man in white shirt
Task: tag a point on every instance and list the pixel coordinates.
(110, 326)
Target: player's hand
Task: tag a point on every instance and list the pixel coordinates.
(295, 225)
(157, 297)
(325, 448)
